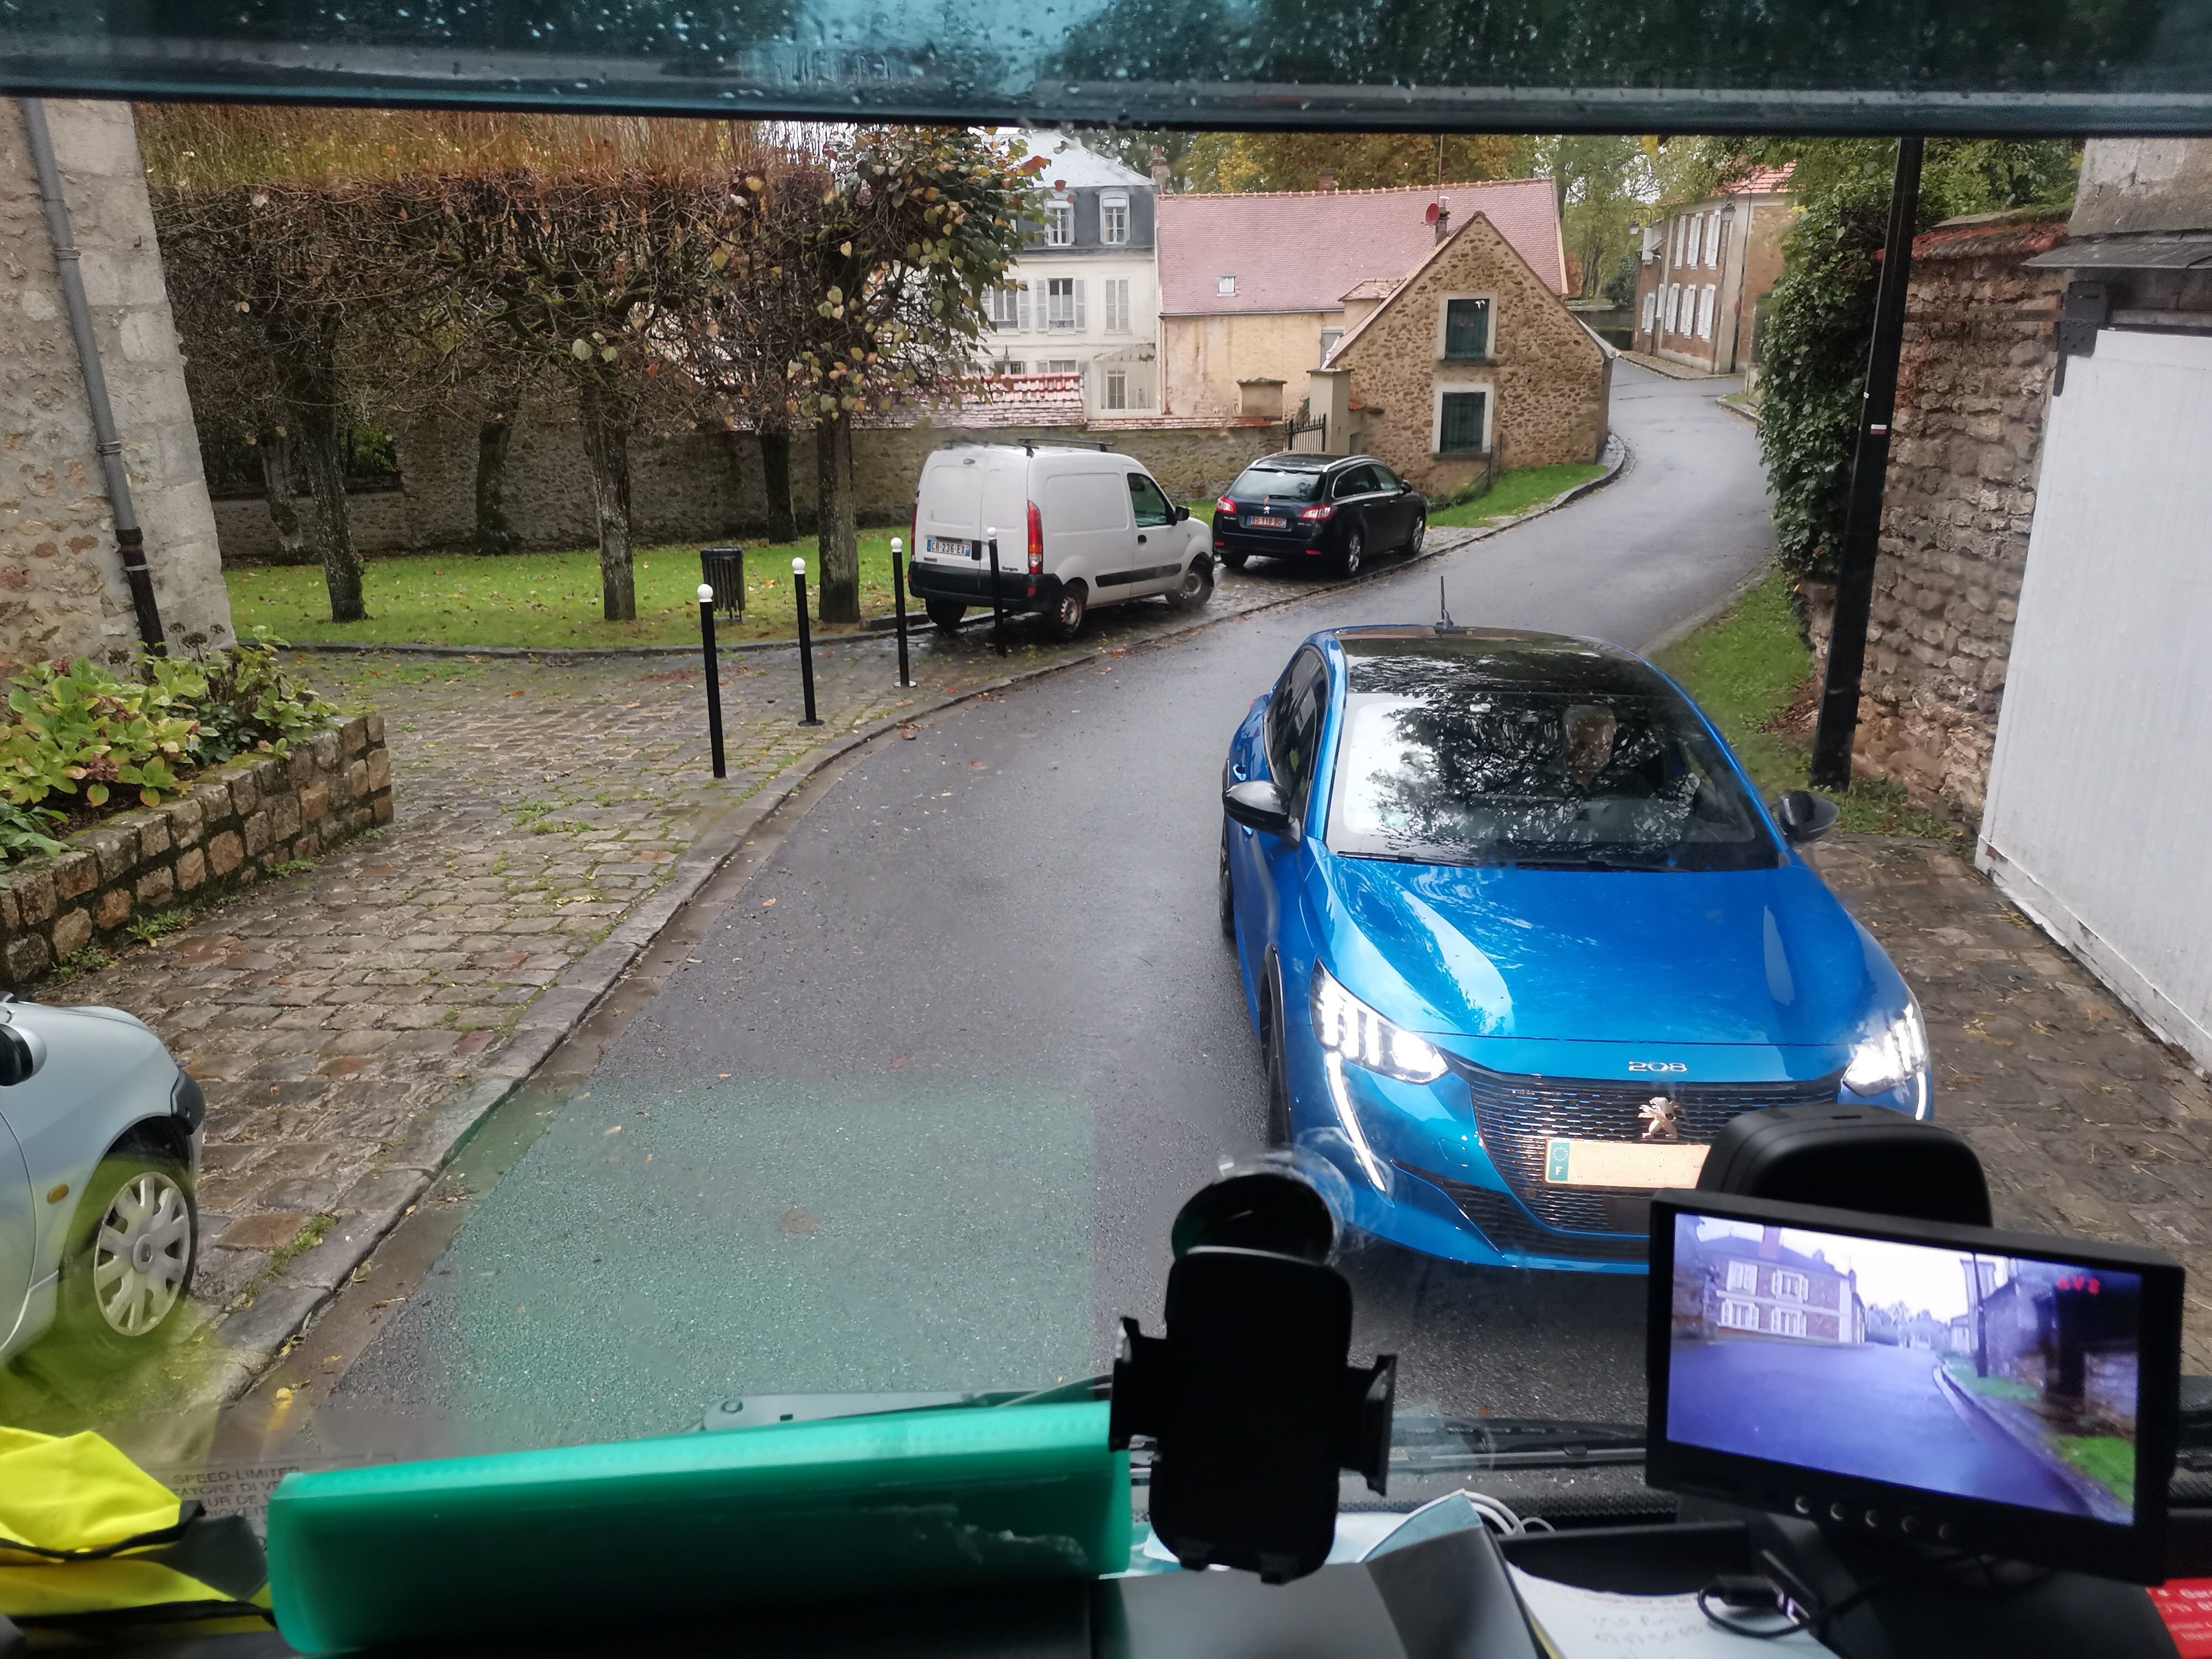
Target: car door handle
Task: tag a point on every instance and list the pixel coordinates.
(1238, 773)
(1140, 539)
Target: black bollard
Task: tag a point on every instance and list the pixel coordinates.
(805, 639)
(713, 675)
(998, 603)
(898, 600)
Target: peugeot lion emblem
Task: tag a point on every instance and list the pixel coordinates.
(1661, 1119)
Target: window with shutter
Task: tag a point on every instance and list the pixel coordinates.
(1743, 1276)
(1059, 224)
(1022, 296)
(1713, 226)
(1459, 427)
(1705, 297)
(1466, 328)
(1113, 219)
(1117, 389)
(1079, 304)
(1117, 305)
(1063, 302)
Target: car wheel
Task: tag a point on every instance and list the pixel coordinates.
(1421, 534)
(1064, 620)
(131, 1254)
(1234, 559)
(1228, 890)
(946, 614)
(1354, 554)
(1278, 1067)
(1195, 588)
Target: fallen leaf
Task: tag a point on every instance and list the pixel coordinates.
(796, 1220)
(514, 694)
(614, 1128)
(766, 903)
(908, 733)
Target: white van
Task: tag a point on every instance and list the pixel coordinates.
(1075, 528)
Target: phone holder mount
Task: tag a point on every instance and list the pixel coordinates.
(1249, 1398)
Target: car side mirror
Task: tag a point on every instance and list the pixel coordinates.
(1803, 814)
(1180, 513)
(1258, 804)
(21, 1053)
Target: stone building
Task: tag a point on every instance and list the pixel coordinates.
(62, 586)
(1702, 272)
(1470, 365)
(1257, 288)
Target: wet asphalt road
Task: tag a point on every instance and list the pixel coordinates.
(1898, 1425)
(920, 1111)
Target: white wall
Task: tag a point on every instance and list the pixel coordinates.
(1038, 345)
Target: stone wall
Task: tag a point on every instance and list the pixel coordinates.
(62, 591)
(696, 486)
(1973, 381)
(235, 823)
(1547, 378)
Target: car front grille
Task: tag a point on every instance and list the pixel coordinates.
(1507, 1227)
(1518, 1115)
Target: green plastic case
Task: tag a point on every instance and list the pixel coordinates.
(697, 1523)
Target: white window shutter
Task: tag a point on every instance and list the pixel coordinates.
(1078, 286)
(1022, 308)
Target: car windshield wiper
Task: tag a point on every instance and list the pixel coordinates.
(743, 1410)
(1421, 1442)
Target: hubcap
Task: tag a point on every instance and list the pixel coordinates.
(1352, 550)
(140, 1253)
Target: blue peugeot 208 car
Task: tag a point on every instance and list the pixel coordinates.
(1518, 937)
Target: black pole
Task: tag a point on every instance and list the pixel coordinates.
(998, 603)
(898, 600)
(805, 639)
(713, 677)
(1840, 691)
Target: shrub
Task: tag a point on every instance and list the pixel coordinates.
(79, 732)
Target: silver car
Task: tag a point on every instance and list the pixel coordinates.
(100, 1149)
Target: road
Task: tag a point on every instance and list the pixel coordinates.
(1779, 1399)
(918, 1106)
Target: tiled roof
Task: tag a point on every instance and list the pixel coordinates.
(1985, 235)
(1751, 1249)
(1763, 181)
(1001, 400)
(1303, 250)
(1374, 288)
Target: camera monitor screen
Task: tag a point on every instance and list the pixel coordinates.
(1982, 1367)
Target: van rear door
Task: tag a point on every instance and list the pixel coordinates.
(948, 519)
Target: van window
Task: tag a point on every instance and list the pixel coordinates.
(1078, 502)
(954, 495)
(1151, 505)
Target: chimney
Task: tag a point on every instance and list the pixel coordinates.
(1770, 1243)
(1444, 218)
(1327, 180)
(1159, 169)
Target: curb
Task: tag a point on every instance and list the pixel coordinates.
(258, 1334)
(1673, 371)
(1743, 410)
(1969, 1405)
(1689, 625)
(872, 630)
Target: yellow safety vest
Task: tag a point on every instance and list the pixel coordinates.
(87, 1536)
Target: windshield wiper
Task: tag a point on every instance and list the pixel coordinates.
(1422, 1444)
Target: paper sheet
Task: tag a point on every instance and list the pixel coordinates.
(1586, 1623)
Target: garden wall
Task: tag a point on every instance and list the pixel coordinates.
(236, 823)
(694, 487)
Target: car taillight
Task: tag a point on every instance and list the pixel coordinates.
(1223, 504)
(1317, 514)
(1036, 542)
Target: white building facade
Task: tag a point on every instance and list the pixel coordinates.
(1084, 297)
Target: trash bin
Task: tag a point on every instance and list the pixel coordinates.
(723, 569)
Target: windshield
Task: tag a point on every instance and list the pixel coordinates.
(1442, 762)
(540, 912)
(1280, 484)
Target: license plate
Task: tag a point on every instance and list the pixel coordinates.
(1641, 1165)
(1266, 522)
(943, 547)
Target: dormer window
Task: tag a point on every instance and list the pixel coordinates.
(1224, 285)
(1114, 218)
(1059, 224)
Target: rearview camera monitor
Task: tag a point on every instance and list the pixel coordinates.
(1908, 1380)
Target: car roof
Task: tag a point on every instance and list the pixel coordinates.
(1286, 460)
(1506, 658)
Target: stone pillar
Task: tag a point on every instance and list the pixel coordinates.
(62, 591)
(1328, 392)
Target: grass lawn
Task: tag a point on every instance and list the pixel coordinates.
(1516, 491)
(1748, 669)
(547, 599)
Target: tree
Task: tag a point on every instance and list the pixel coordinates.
(1818, 318)
(1360, 160)
(862, 261)
(267, 281)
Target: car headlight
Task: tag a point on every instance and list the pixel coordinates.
(1891, 1057)
(1349, 1029)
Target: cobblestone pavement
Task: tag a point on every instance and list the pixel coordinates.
(540, 807)
(2085, 1122)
